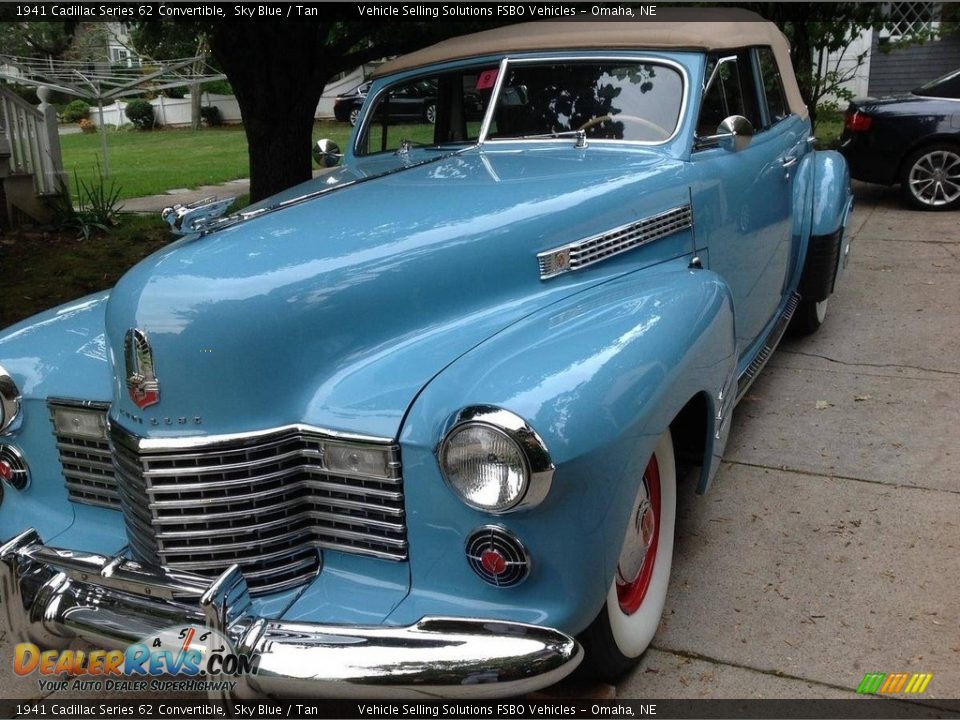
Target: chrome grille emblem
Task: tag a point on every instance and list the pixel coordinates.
(142, 383)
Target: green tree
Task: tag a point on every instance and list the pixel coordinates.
(278, 71)
(816, 30)
(35, 39)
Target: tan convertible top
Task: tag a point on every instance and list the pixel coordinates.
(676, 28)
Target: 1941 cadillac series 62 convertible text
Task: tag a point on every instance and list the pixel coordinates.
(415, 427)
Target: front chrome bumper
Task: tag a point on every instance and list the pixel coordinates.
(51, 596)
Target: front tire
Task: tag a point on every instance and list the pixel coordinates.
(430, 114)
(629, 618)
(931, 178)
(354, 115)
(809, 316)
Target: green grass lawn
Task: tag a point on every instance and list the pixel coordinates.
(152, 162)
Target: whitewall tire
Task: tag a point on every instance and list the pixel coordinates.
(630, 616)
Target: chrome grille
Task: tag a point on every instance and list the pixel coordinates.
(593, 249)
(264, 501)
(86, 462)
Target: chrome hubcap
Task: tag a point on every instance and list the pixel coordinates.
(935, 178)
(635, 567)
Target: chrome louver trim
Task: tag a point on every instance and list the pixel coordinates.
(264, 501)
(86, 463)
(591, 250)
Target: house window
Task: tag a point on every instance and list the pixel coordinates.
(903, 19)
(118, 55)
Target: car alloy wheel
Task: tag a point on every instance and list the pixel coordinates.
(354, 115)
(431, 113)
(933, 179)
(630, 616)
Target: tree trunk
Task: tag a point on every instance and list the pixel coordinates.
(277, 71)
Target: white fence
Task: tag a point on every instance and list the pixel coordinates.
(175, 112)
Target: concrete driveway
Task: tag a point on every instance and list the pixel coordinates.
(827, 547)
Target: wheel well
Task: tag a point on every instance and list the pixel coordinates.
(689, 430)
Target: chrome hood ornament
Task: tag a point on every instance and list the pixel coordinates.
(142, 383)
(185, 219)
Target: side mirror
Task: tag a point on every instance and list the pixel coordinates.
(734, 133)
(326, 153)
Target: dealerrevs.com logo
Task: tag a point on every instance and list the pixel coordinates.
(193, 655)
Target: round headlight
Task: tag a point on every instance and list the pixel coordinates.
(494, 461)
(484, 467)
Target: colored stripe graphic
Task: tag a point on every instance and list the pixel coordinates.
(871, 683)
(894, 683)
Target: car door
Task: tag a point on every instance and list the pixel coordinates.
(743, 199)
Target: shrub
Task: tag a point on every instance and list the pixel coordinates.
(88, 126)
(96, 211)
(76, 111)
(211, 115)
(140, 113)
(218, 87)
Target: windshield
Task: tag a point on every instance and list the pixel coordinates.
(947, 86)
(608, 100)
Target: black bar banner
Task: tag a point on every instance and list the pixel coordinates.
(870, 708)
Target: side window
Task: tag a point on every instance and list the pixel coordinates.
(405, 112)
(724, 95)
(432, 110)
(777, 108)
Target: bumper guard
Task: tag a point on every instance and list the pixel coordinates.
(51, 596)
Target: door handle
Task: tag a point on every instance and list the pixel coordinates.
(788, 161)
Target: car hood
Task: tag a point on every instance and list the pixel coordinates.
(336, 311)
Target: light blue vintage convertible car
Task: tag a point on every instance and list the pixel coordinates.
(416, 427)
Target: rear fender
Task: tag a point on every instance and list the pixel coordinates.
(599, 376)
(827, 249)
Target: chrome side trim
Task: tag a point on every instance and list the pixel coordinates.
(591, 250)
(51, 596)
(769, 345)
(540, 467)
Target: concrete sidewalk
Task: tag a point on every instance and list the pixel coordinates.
(183, 196)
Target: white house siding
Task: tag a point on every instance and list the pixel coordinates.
(847, 60)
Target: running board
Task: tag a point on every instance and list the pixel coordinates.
(769, 345)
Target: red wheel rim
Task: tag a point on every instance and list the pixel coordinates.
(631, 594)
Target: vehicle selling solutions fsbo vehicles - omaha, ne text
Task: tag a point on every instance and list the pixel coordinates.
(416, 426)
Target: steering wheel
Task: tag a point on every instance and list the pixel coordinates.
(643, 122)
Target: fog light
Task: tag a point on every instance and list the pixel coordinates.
(497, 556)
(13, 468)
(86, 423)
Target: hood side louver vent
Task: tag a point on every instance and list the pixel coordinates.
(588, 251)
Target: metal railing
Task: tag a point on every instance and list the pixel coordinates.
(34, 145)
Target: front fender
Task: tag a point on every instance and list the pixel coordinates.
(59, 353)
(599, 376)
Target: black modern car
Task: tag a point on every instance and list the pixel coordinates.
(913, 140)
(346, 106)
(410, 102)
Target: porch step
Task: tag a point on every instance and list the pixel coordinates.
(22, 200)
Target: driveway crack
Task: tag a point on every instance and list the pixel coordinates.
(834, 476)
(873, 365)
